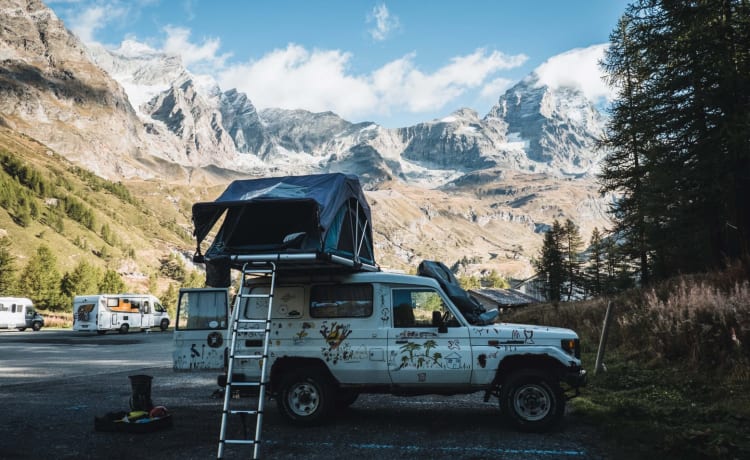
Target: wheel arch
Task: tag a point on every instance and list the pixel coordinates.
(286, 364)
(540, 362)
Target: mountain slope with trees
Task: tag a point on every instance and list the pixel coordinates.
(65, 231)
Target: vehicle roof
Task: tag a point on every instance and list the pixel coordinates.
(15, 299)
(361, 277)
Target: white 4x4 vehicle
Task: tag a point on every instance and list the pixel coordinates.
(335, 336)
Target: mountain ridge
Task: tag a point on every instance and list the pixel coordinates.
(483, 183)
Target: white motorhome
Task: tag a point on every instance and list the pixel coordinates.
(118, 312)
(19, 313)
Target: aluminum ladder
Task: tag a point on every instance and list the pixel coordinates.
(250, 269)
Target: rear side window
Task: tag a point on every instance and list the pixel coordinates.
(341, 301)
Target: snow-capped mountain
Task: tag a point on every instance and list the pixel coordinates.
(532, 128)
(557, 128)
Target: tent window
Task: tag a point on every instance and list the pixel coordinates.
(341, 301)
(268, 223)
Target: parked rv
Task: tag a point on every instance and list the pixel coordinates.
(118, 312)
(19, 313)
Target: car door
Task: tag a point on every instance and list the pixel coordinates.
(420, 351)
(200, 335)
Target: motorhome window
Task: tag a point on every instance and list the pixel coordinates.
(415, 307)
(341, 301)
(158, 307)
(84, 311)
(202, 310)
(3, 307)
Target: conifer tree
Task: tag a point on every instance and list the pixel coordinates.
(595, 272)
(111, 283)
(84, 279)
(550, 265)
(7, 268)
(41, 280)
(679, 134)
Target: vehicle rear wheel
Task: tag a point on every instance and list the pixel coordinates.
(21, 329)
(164, 325)
(123, 329)
(36, 325)
(306, 396)
(533, 400)
(101, 332)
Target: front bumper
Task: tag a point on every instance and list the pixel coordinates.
(576, 378)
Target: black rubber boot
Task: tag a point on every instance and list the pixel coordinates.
(141, 399)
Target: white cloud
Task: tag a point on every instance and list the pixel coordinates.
(88, 22)
(385, 22)
(493, 89)
(578, 68)
(295, 78)
(203, 56)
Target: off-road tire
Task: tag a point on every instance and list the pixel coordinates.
(532, 400)
(306, 397)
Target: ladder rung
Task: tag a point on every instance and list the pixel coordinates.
(240, 441)
(245, 321)
(246, 412)
(258, 270)
(256, 296)
(244, 384)
(246, 357)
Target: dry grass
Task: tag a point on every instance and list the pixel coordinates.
(57, 319)
(677, 380)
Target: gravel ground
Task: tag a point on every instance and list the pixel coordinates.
(55, 420)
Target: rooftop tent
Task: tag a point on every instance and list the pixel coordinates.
(320, 219)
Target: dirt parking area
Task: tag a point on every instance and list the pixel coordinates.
(53, 418)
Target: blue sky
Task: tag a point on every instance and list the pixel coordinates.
(396, 63)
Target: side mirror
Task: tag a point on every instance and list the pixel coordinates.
(437, 321)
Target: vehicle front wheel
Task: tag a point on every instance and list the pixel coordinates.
(306, 396)
(36, 326)
(123, 329)
(533, 400)
(164, 325)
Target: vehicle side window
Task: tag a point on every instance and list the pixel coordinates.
(420, 307)
(341, 301)
(202, 310)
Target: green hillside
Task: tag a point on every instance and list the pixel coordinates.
(131, 227)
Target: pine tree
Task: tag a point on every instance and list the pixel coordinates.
(84, 279)
(41, 280)
(7, 268)
(550, 266)
(571, 245)
(595, 274)
(111, 283)
(679, 134)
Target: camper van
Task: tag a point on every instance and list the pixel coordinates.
(19, 313)
(118, 312)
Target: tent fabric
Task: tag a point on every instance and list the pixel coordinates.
(322, 213)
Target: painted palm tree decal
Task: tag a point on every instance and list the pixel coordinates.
(411, 356)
